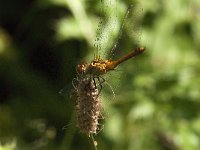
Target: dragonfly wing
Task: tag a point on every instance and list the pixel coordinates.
(130, 28)
(67, 91)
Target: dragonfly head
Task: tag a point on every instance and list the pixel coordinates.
(82, 68)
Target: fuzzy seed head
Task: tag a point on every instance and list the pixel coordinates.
(88, 106)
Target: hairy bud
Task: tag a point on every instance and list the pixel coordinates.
(88, 105)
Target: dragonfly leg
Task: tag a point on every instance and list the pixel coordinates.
(95, 84)
(100, 82)
(103, 80)
(73, 83)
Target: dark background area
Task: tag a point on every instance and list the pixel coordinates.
(157, 94)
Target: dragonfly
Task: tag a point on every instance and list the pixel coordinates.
(99, 66)
(96, 68)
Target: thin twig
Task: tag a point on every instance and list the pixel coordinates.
(69, 135)
(93, 143)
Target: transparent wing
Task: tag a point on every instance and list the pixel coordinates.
(107, 27)
(67, 91)
(129, 34)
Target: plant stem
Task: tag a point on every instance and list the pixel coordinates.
(93, 143)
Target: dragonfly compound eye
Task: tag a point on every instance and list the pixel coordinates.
(81, 68)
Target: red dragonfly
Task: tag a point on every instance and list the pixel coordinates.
(99, 67)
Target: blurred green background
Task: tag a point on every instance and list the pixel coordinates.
(157, 104)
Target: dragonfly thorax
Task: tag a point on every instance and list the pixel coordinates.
(100, 67)
(96, 67)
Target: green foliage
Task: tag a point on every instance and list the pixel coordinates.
(157, 94)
